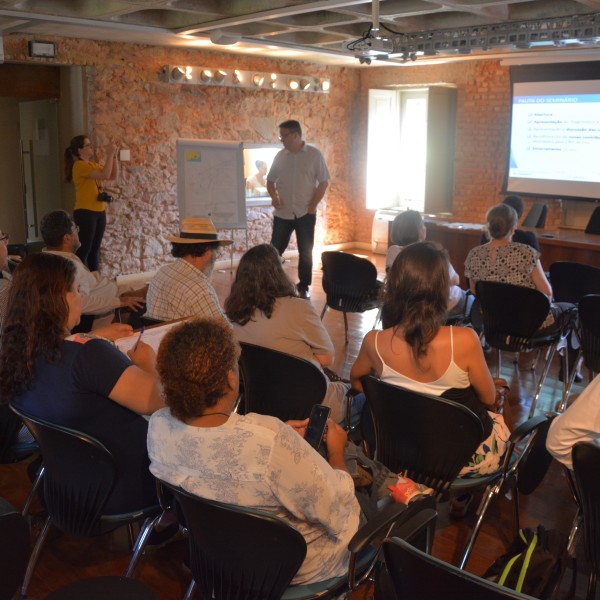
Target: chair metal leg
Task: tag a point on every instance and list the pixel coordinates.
(345, 325)
(34, 557)
(567, 386)
(189, 594)
(140, 544)
(34, 487)
(489, 493)
(498, 362)
(591, 592)
(538, 388)
(517, 510)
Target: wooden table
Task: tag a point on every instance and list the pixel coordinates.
(562, 244)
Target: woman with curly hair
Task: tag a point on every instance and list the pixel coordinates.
(417, 352)
(265, 310)
(253, 460)
(82, 383)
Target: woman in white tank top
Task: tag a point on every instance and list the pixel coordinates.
(416, 352)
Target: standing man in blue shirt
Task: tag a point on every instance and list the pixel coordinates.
(296, 183)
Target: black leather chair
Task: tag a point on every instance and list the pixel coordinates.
(536, 217)
(79, 474)
(416, 574)
(512, 316)
(525, 465)
(586, 466)
(279, 384)
(14, 549)
(238, 552)
(350, 284)
(593, 225)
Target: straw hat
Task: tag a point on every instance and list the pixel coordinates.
(196, 230)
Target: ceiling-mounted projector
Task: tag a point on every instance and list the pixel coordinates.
(370, 47)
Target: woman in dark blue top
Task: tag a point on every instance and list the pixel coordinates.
(88, 384)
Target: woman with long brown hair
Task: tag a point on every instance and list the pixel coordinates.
(88, 385)
(266, 311)
(417, 352)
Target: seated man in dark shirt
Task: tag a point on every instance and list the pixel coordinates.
(522, 237)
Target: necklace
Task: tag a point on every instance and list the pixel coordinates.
(215, 413)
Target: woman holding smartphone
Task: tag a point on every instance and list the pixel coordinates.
(251, 460)
(90, 210)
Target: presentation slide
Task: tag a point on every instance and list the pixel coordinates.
(555, 139)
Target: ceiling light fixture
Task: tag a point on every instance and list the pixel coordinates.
(219, 76)
(209, 76)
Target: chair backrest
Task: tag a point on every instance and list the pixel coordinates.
(571, 281)
(79, 475)
(593, 225)
(534, 461)
(511, 313)
(9, 426)
(419, 575)
(14, 551)
(238, 552)
(586, 466)
(536, 217)
(279, 384)
(589, 319)
(428, 437)
(350, 282)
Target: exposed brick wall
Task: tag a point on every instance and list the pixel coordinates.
(482, 132)
(127, 102)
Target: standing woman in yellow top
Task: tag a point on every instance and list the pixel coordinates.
(89, 214)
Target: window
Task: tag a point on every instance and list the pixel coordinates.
(410, 152)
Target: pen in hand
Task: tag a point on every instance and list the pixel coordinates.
(139, 338)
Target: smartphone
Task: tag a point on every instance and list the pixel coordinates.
(316, 425)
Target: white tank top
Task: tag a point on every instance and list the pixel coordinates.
(453, 377)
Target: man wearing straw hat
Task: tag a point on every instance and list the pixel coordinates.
(182, 288)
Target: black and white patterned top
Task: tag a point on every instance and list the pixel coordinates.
(513, 263)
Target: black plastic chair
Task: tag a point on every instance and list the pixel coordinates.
(350, 284)
(79, 475)
(571, 281)
(101, 588)
(526, 462)
(593, 225)
(428, 438)
(586, 466)
(279, 384)
(416, 574)
(14, 549)
(589, 319)
(536, 217)
(238, 552)
(512, 316)
(10, 449)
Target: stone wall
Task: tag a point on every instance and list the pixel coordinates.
(129, 103)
